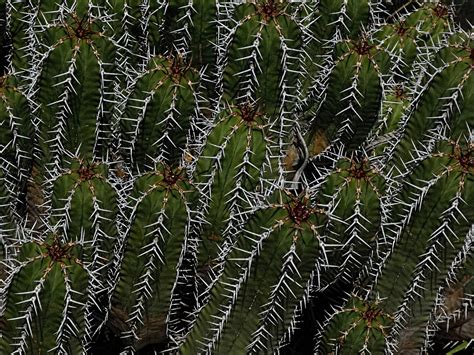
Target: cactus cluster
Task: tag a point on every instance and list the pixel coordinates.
(231, 177)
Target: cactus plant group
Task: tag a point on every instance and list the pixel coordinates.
(231, 177)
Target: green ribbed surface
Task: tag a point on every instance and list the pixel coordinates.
(87, 198)
(427, 245)
(159, 110)
(237, 153)
(76, 55)
(255, 53)
(353, 95)
(358, 326)
(15, 124)
(353, 194)
(231, 177)
(284, 237)
(443, 107)
(157, 213)
(49, 279)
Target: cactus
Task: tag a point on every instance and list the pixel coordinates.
(359, 326)
(165, 89)
(261, 176)
(48, 296)
(237, 155)
(289, 230)
(154, 244)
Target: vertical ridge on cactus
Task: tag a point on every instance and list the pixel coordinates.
(288, 229)
(167, 88)
(235, 176)
(158, 210)
(236, 155)
(46, 296)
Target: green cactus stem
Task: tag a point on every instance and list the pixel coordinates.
(16, 27)
(158, 217)
(15, 127)
(76, 65)
(353, 96)
(413, 38)
(46, 296)
(327, 22)
(454, 296)
(262, 60)
(441, 186)
(159, 111)
(353, 192)
(235, 162)
(250, 307)
(7, 208)
(359, 327)
(190, 28)
(16, 153)
(84, 203)
(441, 106)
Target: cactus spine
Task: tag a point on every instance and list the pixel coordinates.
(210, 176)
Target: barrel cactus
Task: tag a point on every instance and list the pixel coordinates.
(208, 176)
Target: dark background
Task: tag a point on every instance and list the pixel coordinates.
(465, 12)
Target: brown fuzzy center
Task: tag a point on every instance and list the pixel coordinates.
(57, 252)
(249, 112)
(401, 29)
(299, 212)
(371, 315)
(440, 11)
(86, 172)
(466, 160)
(171, 176)
(359, 170)
(362, 47)
(269, 9)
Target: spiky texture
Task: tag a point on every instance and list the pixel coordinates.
(158, 215)
(284, 237)
(48, 296)
(265, 176)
